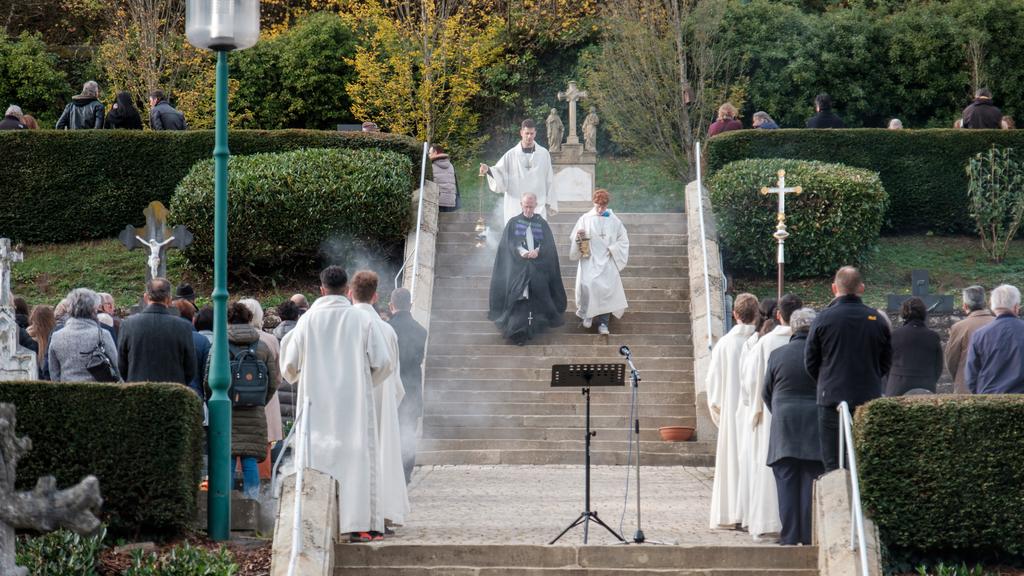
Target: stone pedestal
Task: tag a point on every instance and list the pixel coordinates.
(575, 173)
(318, 528)
(16, 363)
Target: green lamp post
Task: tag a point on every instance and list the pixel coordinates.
(221, 26)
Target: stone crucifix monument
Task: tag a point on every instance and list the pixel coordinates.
(574, 162)
(156, 237)
(44, 508)
(16, 363)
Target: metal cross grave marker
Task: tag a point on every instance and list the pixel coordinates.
(935, 303)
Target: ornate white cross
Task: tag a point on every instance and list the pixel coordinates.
(780, 230)
(7, 257)
(572, 95)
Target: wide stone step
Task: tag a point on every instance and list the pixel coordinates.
(543, 421)
(461, 269)
(483, 282)
(545, 362)
(468, 236)
(647, 410)
(572, 396)
(626, 326)
(606, 445)
(571, 216)
(539, 374)
(490, 337)
(570, 316)
(566, 571)
(454, 296)
(443, 347)
(481, 302)
(549, 457)
(473, 383)
(541, 433)
(451, 249)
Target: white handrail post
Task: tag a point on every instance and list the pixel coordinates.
(703, 242)
(419, 223)
(857, 539)
(301, 454)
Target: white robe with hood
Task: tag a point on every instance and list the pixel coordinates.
(518, 173)
(598, 284)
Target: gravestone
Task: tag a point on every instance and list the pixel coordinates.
(156, 237)
(44, 508)
(935, 303)
(573, 162)
(16, 362)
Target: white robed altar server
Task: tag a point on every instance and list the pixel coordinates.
(332, 354)
(388, 392)
(723, 389)
(762, 512)
(525, 168)
(599, 289)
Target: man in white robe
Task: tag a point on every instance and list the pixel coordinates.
(332, 354)
(599, 291)
(524, 168)
(387, 393)
(723, 385)
(762, 513)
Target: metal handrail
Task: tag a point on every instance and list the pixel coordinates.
(846, 448)
(301, 461)
(419, 224)
(703, 243)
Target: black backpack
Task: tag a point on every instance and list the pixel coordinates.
(249, 377)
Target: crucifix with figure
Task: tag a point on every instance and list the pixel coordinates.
(156, 236)
(572, 95)
(780, 234)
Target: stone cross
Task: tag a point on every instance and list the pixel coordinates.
(938, 303)
(7, 257)
(572, 95)
(156, 237)
(780, 234)
(44, 508)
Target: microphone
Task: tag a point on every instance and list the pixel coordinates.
(624, 350)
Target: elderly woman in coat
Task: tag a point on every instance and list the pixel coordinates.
(794, 451)
(71, 346)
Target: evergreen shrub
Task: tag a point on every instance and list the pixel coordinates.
(922, 170)
(832, 223)
(286, 208)
(142, 441)
(67, 186)
(941, 476)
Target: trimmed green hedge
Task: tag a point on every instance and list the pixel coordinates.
(65, 186)
(288, 208)
(944, 475)
(143, 442)
(831, 224)
(924, 171)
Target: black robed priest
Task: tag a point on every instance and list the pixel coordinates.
(527, 294)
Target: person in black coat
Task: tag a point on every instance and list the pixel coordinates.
(982, 113)
(794, 448)
(825, 117)
(123, 114)
(154, 345)
(916, 352)
(412, 346)
(849, 349)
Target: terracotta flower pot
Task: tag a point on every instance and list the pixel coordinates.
(676, 433)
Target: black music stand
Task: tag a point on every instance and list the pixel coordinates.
(585, 376)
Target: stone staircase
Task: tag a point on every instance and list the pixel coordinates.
(489, 402)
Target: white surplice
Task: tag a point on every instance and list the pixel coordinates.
(743, 433)
(388, 393)
(331, 354)
(598, 284)
(762, 515)
(723, 385)
(517, 173)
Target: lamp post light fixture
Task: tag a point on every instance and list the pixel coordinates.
(221, 26)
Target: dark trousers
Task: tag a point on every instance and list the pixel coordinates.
(794, 481)
(409, 412)
(828, 427)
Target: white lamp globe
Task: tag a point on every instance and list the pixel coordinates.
(222, 24)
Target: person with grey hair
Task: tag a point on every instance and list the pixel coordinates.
(763, 121)
(71, 348)
(794, 450)
(978, 315)
(85, 111)
(156, 345)
(895, 124)
(995, 355)
(13, 119)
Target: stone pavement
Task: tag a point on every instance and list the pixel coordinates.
(532, 504)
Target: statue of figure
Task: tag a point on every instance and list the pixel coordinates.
(154, 254)
(555, 131)
(590, 130)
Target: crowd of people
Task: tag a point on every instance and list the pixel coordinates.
(86, 112)
(367, 442)
(779, 374)
(981, 113)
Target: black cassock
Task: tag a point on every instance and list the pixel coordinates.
(519, 317)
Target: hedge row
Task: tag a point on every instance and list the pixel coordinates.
(143, 442)
(943, 475)
(924, 171)
(65, 186)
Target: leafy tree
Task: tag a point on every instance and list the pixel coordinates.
(29, 76)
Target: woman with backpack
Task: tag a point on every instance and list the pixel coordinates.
(254, 377)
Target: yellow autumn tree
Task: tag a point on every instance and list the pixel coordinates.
(419, 68)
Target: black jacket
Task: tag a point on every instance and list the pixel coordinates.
(123, 119)
(848, 352)
(412, 344)
(982, 113)
(82, 114)
(789, 394)
(164, 117)
(916, 359)
(11, 123)
(825, 119)
(154, 346)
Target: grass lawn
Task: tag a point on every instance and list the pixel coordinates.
(953, 263)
